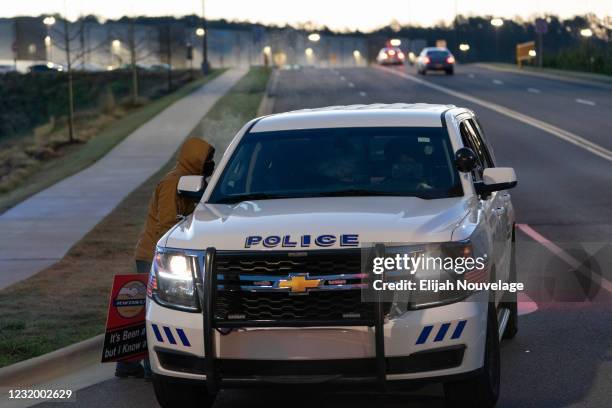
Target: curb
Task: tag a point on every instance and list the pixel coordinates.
(42, 369)
(548, 75)
(266, 107)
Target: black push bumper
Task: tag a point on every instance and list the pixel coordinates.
(231, 373)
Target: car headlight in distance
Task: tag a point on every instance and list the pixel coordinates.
(454, 253)
(172, 279)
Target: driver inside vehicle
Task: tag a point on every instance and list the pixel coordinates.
(406, 158)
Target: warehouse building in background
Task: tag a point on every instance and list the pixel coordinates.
(164, 42)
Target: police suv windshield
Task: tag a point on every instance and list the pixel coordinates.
(384, 161)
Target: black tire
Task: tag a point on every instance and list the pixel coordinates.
(424, 72)
(511, 299)
(450, 71)
(481, 391)
(172, 394)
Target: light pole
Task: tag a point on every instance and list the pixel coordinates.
(464, 48)
(357, 56)
(497, 23)
(204, 32)
(48, 22)
(116, 52)
(587, 33)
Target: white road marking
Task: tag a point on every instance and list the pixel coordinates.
(546, 127)
(498, 82)
(342, 78)
(585, 102)
(363, 93)
(561, 254)
(351, 85)
(533, 90)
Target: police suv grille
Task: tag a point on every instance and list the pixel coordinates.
(332, 262)
(248, 287)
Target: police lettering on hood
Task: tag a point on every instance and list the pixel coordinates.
(302, 241)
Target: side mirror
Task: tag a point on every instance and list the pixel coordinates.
(465, 160)
(496, 179)
(191, 186)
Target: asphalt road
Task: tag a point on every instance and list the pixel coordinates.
(562, 354)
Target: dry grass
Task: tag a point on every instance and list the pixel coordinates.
(67, 302)
(30, 164)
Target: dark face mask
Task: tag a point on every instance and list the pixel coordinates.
(209, 167)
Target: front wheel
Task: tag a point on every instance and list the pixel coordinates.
(172, 394)
(481, 391)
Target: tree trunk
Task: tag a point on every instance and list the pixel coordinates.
(71, 136)
(169, 56)
(132, 44)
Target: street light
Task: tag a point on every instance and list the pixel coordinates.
(49, 21)
(314, 37)
(497, 23)
(308, 52)
(267, 54)
(464, 47)
(205, 64)
(587, 33)
(200, 32)
(115, 52)
(532, 53)
(356, 54)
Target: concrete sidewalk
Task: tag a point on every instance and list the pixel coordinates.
(39, 231)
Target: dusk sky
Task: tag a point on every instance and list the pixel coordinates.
(337, 14)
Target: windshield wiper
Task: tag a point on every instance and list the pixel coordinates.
(355, 192)
(233, 199)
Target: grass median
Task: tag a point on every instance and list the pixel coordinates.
(553, 73)
(67, 302)
(76, 157)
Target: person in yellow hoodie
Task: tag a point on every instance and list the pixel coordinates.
(165, 208)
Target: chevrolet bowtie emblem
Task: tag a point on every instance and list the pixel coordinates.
(299, 283)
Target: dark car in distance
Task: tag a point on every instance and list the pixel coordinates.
(435, 59)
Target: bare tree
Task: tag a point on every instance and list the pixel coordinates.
(68, 39)
(68, 36)
(168, 41)
(139, 49)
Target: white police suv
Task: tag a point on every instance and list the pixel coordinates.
(263, 285)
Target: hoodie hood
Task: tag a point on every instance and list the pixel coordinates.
(192, 156)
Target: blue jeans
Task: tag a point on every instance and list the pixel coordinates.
(132, 366)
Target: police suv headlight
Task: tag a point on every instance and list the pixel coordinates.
(172, 279)
(442, 266)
